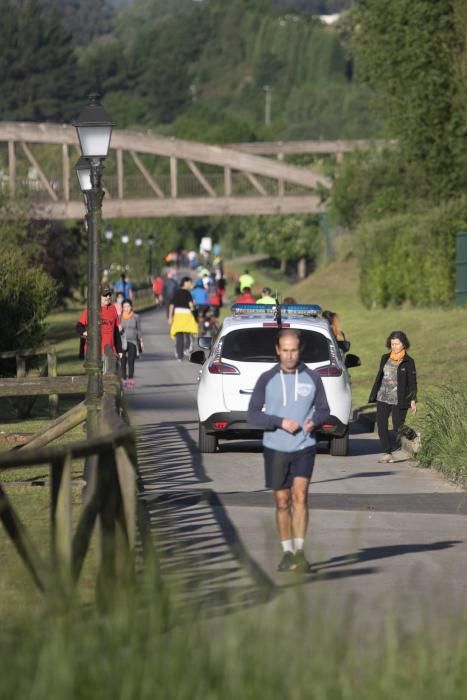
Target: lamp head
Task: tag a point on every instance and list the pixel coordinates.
(83, 171)
(94, 127)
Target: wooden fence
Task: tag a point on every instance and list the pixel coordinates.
(110, 502)
(48, 369)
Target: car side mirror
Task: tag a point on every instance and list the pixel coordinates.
(205, 342)
(352, 361)
(344, 345)
(198, 357)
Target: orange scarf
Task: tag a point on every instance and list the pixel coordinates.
(397, 356)
(127, 314)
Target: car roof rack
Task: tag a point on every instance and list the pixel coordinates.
(276, 310)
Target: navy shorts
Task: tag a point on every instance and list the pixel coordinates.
(280, 468)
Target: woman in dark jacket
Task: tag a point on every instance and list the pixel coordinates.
(394, 390)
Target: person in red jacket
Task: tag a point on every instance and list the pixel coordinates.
(158, 289)
(110, 325)
(246, 297)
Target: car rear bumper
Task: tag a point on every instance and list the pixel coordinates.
(234, 424)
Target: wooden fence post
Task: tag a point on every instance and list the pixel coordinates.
(60, 502)
(52, 372)
(109, 500)
(20, 538)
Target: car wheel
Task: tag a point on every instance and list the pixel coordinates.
(339, 446)
(206, 443)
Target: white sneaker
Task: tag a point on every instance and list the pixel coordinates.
(386, 457)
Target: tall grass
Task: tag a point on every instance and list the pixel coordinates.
(147, 648)
(444, 432)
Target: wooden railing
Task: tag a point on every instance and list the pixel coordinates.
(48, 369)
(110, 500)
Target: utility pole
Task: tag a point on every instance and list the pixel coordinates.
(267, 105)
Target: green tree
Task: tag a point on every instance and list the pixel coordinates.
(408, 52)
(27, 294)
(37, 64)
(83, 19)
(286, 238)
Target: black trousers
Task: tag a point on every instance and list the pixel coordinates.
(128, 361)
(182, 343)
(383, 411)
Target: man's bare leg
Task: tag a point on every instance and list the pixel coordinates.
(300, 521)
(300, 506)
(284, 527)
(283, 514)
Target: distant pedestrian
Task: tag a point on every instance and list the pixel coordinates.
(132, 341)
(394, 390)
(335, 326)
(109, 326)
(169, 289)
(181, 319)
(200, 297)
(246, 280)
(124, 286)
(246, 297)
(295, 404)
(119, 303)
(266, 297)
(158, 290)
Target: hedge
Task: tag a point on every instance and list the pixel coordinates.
(410, 257)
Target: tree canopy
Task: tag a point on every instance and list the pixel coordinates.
(410, 53)
(37, 64)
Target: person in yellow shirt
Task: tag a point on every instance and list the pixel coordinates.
(266, 297)
(245, 280)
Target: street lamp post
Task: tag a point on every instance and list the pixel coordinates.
(150, 247)
(94, 128)
(125, 239)
(138, 244)
(108, 235)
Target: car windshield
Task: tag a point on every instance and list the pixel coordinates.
(258, 345)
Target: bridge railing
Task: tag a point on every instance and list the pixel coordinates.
(136, 186)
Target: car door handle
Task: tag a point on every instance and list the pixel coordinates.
(246, 391)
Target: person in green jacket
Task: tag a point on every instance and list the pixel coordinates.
(266, 297)
(245, 280)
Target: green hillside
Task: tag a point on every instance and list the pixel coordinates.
(207, 69)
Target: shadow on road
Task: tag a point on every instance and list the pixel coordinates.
(357, 475)
(200, 553)
(336, 567)
(373, 553)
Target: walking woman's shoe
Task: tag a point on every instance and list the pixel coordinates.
(386, 457)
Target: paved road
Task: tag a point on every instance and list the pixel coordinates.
(390, 536)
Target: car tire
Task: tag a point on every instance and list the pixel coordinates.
(207, 444)
(339, 446)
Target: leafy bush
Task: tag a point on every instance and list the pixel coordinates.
(27, 294)
(444, 433)
(287, 238)
(410, 257)
(375, 183)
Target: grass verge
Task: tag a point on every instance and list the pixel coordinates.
(143, 649)
(444, 432)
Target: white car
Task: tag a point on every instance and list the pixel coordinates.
(244, 348)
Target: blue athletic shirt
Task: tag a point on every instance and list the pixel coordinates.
(298, 395)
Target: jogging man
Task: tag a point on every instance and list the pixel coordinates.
(294, 404)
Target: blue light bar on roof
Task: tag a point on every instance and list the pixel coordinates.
(286, 309)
